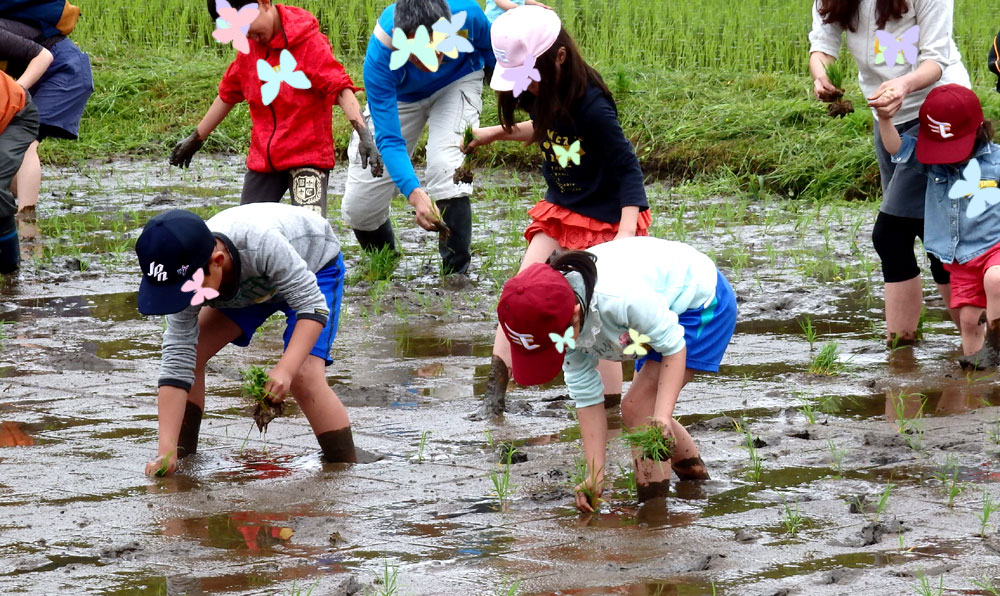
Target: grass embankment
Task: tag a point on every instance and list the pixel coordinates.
(705, 90)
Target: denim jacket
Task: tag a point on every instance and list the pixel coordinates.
(643, 283)
(948, 234)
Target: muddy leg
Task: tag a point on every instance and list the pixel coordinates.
(903, 302)
(611, 378)
(970, 324)
(495, 400)
(187, 440)
(324, 411)
(652, 478)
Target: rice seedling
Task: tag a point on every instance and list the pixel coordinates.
(792, 519)
(578, 477)
(254, 380)
(926, 588)
(948, 476)
(837, 455)
(164, 465)
(806, 409)
(992, 431)
(756, 468)
(386, 581)
(911, 427)
(986, 584)
(650, 442)
(825, 362)
(297, 590)
(990, 506)
(375, 266)
(809, 330)
(502, 486)
(509, 588)
(628, 475)
(421, 445)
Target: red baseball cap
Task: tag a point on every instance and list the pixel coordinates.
(949, 119)
(534, 303)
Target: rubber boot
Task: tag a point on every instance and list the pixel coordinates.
(454, 248)
(692, 468)
(187, 440)
(495, 400)
(377, 239)
(988, 356)
(338, 445)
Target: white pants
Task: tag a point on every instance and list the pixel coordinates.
(446, 113)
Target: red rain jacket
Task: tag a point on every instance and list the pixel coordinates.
(296, 129)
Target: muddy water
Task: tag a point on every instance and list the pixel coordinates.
(263, 515)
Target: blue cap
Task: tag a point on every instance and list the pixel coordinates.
(172, 246)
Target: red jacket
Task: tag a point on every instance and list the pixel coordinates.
(296, 128)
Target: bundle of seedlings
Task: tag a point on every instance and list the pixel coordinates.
(649, 440)
(836, 72)
(464, 175)
(254, 380)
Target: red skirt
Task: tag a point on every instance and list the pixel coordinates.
(574, 231)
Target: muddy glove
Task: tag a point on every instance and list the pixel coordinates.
(368, 152)
(185, 150)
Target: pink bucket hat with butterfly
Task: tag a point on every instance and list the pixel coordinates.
(519, 36)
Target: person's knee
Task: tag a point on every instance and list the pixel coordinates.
(969, 319)
(991, 281)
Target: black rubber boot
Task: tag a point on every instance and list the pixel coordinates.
(454, 248)
(338, 446)
(187, 440)
(377, 239)
(988, 356)
(495, 400)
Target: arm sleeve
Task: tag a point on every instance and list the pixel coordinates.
(824, 37)
(479, 30)
(604, 128)
(935, 20)
(582, 379)
(180, 348)
(295, 283)
(907, 154)
(647, 312)
(327, 72)
(15, 47)
(230, 87)
(380, 89)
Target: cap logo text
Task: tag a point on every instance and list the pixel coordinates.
(183, 270)
(522, 339)
(156, 271)
(941, 128)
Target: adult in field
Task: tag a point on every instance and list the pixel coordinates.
(898, 83)
(446, 96)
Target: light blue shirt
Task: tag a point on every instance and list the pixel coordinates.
(948, 233)
(643, 283)
(493, 11)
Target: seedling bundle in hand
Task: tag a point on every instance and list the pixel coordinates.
(254, 379)
(649, 440)
(464, 175)
(838, 108)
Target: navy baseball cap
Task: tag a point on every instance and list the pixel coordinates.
(172, 246)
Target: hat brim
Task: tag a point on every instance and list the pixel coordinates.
(498, 83)
(931, 150)
(162, 299)
(531, 368)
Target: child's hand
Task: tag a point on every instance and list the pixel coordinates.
(591, 489)
(479, 138)
(279, 383)
(185, 150)
(163, 465)
(666, 427)
(889, 97)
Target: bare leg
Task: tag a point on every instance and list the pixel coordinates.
(28, 179)
(324, 411)
(903, 303)
(945, 291)
(972, 330)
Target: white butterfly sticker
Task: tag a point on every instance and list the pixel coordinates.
(564, 341)
(970, 186)
(273, 76)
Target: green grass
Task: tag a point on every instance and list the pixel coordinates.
(706, 91)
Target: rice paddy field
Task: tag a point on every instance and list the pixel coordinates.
(837, 466)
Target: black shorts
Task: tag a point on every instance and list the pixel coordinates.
(893, 237)
(308, 186)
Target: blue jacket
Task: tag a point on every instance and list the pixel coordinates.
(384, 87)
(948, 233)
(643, 283)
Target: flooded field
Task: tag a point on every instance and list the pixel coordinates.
(873, 474)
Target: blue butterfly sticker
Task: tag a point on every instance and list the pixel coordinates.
(451, 44)
(983, 193)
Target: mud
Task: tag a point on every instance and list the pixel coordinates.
(250, 514)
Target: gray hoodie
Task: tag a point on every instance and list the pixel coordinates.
(276, 250)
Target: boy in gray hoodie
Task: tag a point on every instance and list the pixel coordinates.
(244, 264)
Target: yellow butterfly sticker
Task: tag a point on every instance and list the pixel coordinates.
(636, 347)
(564, 155)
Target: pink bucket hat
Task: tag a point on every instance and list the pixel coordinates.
(518, 33)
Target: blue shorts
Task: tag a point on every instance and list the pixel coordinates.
(331, 283)
(63, 91)
(707, 330)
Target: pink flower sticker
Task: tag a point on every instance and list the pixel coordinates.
(232, 25)
(197, 285)
(522, 75)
